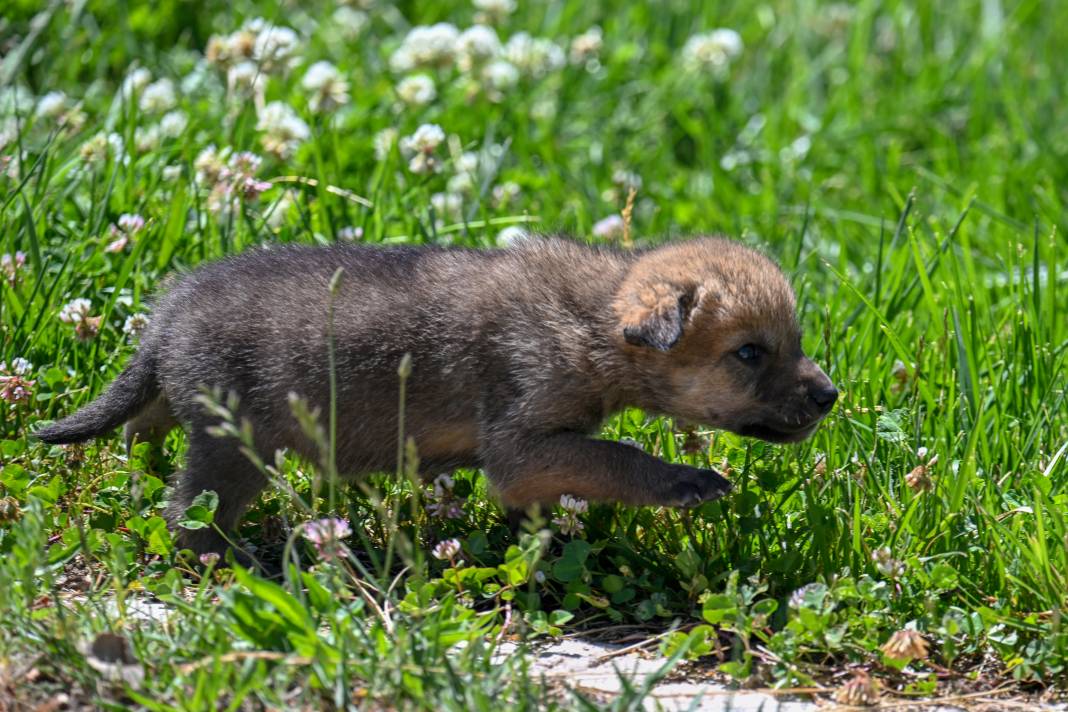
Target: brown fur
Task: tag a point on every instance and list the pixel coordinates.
(518, 356)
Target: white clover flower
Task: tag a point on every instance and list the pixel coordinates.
(15, 388)
(572, 504)
(476, 45)
(135, 81)
(217, 51)
(245, 76)
(275, 47)
(226, 50)
(569, 522)
(322, 530)
(448, 549)
(171, 173)
(158, 97)
(402, 60)
(712, 50)
(423, 163)
(533, 56)
(887, 565)
(231, 178)
(442, 502)
(586, 46)
(328, 88)
(221, 200)
(426, 138)
(626, 179)
(319, 75)
(131, 223)
(426, 46)
(494, 10)
(116, 146)
(123, 230)
(173, 124)
(500, 75)
(417, 90)
(466, 178)
(383, 143)
(505, 193)
(100, 145)
(420, 146)
(350, 22)
(511, 235)
(461, 184)
(146, 138)
(280, 118)
(609, 227)
(283, 130)
(95, 149)
(52, 105)
(350, 233)
(447, 204)
(244, 164)
(210, 164)
(21, 366)
(250, 188)
(73, 118)
(729, 40)
(200, 80)
(467, 162)
(75, 310)
(11, 265)
(135, 325)
(326, 536)
(238, 45)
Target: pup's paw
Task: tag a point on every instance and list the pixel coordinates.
(695, 486)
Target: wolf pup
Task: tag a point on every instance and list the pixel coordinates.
(518, 356)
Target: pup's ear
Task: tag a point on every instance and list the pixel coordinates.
(655, 314)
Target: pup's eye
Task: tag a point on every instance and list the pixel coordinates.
(749, 353)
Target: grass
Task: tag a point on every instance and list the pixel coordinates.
(905, 162)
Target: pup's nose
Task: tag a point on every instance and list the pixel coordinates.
(824, 396)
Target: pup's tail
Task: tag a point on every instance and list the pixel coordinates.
(130, 392)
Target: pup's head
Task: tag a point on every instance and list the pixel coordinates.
(710, 327)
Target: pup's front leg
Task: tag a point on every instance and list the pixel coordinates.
(525, 469)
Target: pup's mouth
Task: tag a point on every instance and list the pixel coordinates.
(778, 435)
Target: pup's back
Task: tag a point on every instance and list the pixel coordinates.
(259, 325)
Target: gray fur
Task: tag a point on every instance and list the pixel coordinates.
(517, 355)
(128, 394)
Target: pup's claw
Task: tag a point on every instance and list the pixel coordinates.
(695, 487)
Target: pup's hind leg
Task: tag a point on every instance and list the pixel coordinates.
(151, 425)
(213, 464)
